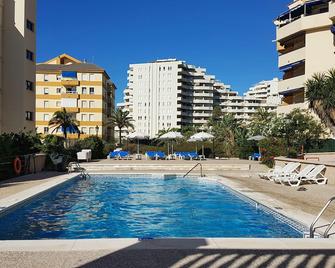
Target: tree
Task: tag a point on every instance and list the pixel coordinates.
(121, 119)
(262, 122)
(225, 133)
(64, 121)
(321, 96)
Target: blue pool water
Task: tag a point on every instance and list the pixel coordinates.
(123, 206)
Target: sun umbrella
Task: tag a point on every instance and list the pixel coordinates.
(202, 136)
(172, 135)
(257, 138)
(137, 136)
(195, 141)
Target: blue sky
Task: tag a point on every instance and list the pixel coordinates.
(232, 39)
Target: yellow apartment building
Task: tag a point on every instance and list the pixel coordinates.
(17, 65)
(83, 89)
(306, 45)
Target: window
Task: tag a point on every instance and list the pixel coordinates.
(58, 77)
(46, 130)
(84, 117)
(30, 25)
(83, 90)
(91, 131)
(91, 77)
(140, 77)
(29, 55)
(91, 90)
(46, 78)
(91, 104)
(58, 90)
(29, 85)
(84, 104)
(46, 117)
(46, 91)
(91, 117)
(84, 130)
(58, 103)
(71, 90)
(46, 104)
(85, 77)
(29, 116)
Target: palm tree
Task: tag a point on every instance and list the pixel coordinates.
(121, 119)
(321, 96)
(64, 121)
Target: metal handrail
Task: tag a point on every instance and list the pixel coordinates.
(330, 225)
(84, 174)
(198, 164)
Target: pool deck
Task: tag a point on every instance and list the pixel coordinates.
(213, 252)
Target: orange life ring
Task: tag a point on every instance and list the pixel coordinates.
(17, 165)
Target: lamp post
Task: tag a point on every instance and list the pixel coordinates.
(97, 130)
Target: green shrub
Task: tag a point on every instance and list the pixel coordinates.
(271, 148)
(94, 143)
(53, 144)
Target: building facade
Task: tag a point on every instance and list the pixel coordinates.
(17, 65)
(305, 43)
(81, 88)
(242, 107)
(171, 94)
(266, 90)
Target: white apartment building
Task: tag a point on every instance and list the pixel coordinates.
(17, 65)
(241, 107)
(168, 94)
(266, 90)
(306, 45)
(171, 94)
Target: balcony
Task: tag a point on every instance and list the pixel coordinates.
(291, 84)
(303, 24)
(291, 57)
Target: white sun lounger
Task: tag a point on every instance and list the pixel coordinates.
(290, 168)
(294, 179)
(316, 176)
(278, 171)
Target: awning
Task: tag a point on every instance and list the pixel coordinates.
(290, 66)
(72, 75)
(332, 29)
(71, 130)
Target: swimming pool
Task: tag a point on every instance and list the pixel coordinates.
(142, 206)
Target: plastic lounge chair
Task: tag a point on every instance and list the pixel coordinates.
(113, 155)
(288, 169)
(161, 155)
(277, 170)
(150, 155)
(294, 179)
(316, 176)
(124, 155)
(193, 155)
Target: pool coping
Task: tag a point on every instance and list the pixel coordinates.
(8, 203)
(116, 244)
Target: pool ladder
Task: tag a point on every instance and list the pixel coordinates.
(198, 164)
(75, 166)
(328, 226)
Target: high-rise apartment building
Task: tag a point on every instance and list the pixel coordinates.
(241, 107)
(305, 43)
(266, 90)
(171, 94)
(81, 88)
(17, 65)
